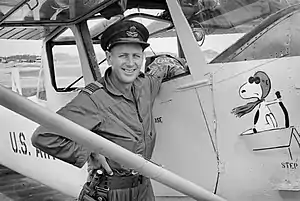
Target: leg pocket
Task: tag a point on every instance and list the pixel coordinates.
(146, 191)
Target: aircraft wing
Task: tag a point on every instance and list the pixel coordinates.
(38, 18)
(14, 186)
(225, 17)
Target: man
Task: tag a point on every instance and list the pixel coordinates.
(117, 107)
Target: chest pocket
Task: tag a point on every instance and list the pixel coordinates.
(116, 131)
(118, 125)
(144, 105)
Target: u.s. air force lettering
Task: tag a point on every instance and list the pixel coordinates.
(19, 145)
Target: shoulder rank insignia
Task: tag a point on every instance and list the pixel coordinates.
(92, 88)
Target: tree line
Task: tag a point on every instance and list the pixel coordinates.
(20, 58)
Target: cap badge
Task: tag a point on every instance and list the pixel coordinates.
(132, 32)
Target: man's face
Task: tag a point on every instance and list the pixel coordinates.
(126, 61)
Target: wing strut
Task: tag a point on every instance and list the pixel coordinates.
(71, 130)
(192, 52)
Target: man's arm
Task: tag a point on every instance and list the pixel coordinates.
(156, 74)
(162, 67)
(81, 110)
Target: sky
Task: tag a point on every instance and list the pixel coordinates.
(14, 47)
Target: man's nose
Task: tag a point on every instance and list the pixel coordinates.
(130, 61)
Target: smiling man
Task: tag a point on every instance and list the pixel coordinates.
(117, 107)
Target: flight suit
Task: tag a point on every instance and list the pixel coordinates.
(101, 108)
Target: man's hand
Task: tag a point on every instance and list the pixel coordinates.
(157, 69)
(165, 66)
(95, 162)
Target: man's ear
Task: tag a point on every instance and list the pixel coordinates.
(143, 68)
(108, 57)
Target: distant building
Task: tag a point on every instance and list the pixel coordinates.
(38, 59)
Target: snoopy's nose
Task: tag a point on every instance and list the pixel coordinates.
(243, 91)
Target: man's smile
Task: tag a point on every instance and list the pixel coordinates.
(129, 70)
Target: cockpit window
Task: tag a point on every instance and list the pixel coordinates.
(66, 62)
(95, 26)
(46, 10)
(22, 11)
(223, 16)
(67, 67)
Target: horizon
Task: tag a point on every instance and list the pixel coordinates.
(15, 47)
(212, 46)
(218, 43)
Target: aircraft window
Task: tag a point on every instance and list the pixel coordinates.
(48, 10)
(94, 26)
(22, 13)
(154, 25)
(67, 66)
(101, 58)
(20, 77)
(234, 16)
(66, 35)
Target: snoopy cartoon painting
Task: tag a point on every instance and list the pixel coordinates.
(256, 90)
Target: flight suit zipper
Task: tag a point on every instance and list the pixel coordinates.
(136, 106)
(140, 119)
(137, 110)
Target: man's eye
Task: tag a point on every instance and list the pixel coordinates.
(137, 56)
